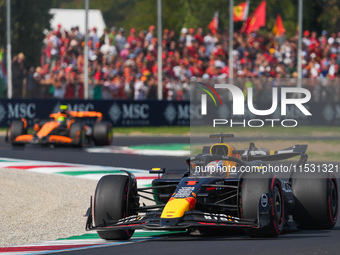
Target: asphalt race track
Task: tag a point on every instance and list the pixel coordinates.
(293, 242)
(75, 155)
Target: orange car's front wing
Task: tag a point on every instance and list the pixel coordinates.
(52, 139)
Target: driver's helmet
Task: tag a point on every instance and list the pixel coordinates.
(225, 149)
(63, 108)
(61, 120)
(215, 168)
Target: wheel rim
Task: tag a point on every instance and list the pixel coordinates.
(277, 206)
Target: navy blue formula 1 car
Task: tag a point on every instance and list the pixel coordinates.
(223, 188)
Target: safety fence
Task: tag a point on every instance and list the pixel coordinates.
(48, 58)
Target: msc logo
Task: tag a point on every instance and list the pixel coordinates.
(238, 100)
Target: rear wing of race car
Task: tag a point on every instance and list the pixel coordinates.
(253, 153)
(83, 114)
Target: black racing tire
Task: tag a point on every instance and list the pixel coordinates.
(17, 128)
(252, 187)
(316, 200)
(173, 174)
(110, 204)
(77, 133)
(102, 133)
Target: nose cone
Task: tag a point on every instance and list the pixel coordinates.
(176, 207)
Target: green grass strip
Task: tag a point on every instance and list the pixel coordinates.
(136, 234)
(175, 130)
(169, 147)
(82, 237)
(75, 173)
(268, 130)
(265, 130)
(5, 160)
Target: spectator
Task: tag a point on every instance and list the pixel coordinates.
(210, 42)
(94, 36)
(305, 39)
(31, 87)
(112, 35)
(199, 36)
(120, 40)
(55, 43)
(183, 37)
(126, 68)
(149, 36)
(98, 82)
(132, 39)
(78, 35)
(59, 84)
(139, 48)
(18, 75)
(152, 88)
(57, 32)
(140, 88)
(190, 37)
(109, 52)
(104, 39)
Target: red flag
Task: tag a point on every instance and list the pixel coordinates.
(278, 28)
(256, 20)
(213, 25)
(241, 11)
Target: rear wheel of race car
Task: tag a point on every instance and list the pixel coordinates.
(102, 133)
(17, 128)
(253, 186)
(110, 204)
(316, 200)
(77, 133)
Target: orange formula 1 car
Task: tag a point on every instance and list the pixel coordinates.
(64, 128)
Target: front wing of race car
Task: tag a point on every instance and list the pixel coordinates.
(51, 139)
(152, 220)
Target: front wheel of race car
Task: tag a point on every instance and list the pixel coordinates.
(77, 133)
(252, 188)
(110, 204)
(316, 200)
(102, 133)
(17, 128)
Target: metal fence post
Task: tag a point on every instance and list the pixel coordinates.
(299, 62)
(9, 51)
(86, 53)
(159, 49)
(231, 35)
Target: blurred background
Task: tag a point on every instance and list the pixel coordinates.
(48, 40)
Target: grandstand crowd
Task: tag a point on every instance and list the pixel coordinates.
(123, 64)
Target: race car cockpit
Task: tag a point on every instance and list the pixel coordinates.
(213, 161)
